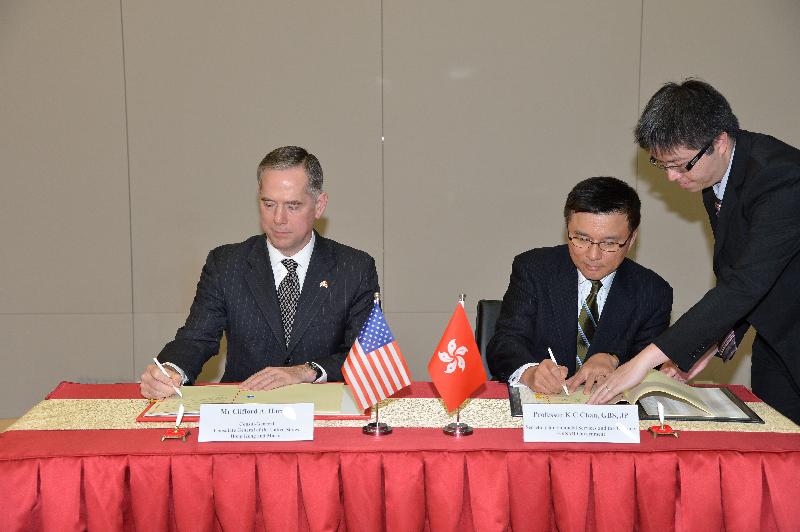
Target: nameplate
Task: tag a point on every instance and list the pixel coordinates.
(580, 423)
(256, 422)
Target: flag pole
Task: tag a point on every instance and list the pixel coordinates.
(376, 428)
(458, 429)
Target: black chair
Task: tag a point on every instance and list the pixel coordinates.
(488, 312)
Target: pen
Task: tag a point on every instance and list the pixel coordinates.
(553, 358)
(181, 410)
(167, 374)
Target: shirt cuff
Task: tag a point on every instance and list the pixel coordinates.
(513, 380)
(184, 378)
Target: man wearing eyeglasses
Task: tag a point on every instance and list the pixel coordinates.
(750, 185)
(584, 301)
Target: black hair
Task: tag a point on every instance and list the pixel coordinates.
(604, 195)
(688, 115)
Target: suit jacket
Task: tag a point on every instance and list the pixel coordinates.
(756, 257)
(540, 310)
(236, 294)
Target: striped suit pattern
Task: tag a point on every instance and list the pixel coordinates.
(236, 295)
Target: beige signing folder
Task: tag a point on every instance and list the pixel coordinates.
(329, 398)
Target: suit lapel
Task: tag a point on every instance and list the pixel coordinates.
(262, 284)
(565, 309)
(730, 199)
(315, 287)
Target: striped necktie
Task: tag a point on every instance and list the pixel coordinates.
(587, 322)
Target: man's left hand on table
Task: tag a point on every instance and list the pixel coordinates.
(275, 377)
(595, 370)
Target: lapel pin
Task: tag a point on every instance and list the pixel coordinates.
(323, 284)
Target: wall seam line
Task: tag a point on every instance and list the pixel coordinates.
(130, 194)
(383, 172)
(639, 85)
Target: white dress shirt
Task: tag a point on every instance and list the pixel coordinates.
(719, 188)
(302, 258)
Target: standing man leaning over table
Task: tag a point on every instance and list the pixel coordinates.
(750, 186)
(290, 301)
(585, 300)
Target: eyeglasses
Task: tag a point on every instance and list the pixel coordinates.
(581, 242)
(682, 168)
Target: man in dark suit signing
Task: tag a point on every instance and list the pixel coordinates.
(750, 184)
(585, 300)
(290, 301)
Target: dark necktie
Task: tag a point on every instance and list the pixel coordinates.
(288, 294)
(727, 347)
(587, 321)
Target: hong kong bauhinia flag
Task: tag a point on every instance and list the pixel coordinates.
(456, 367)
(375, 368)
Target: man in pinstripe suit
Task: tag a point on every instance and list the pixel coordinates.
(549, 287)
(290, 301)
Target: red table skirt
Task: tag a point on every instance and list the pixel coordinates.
(419, 490)
(416, 479)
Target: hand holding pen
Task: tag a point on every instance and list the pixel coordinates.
(553, 359)
(164, 371)
(546, 377)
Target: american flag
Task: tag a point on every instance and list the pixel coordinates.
(375, 368)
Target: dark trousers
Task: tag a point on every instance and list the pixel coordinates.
(772, 381)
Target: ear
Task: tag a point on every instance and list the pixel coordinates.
(722, 142)
(319, 206)
(633, 238)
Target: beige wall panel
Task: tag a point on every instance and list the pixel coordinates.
(64, 220)
(43, 350)
(152, 331)
(747, 50)
(491, 116)
(211, 90)
(418, 334)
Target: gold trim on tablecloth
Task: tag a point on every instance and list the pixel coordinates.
(88, 414)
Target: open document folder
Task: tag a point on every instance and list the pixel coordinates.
(680, 401)
(330, 399)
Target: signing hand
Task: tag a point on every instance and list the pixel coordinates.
(595, 370)
(545, 378)
(628, 375)
(156, 385)
(275, 377)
